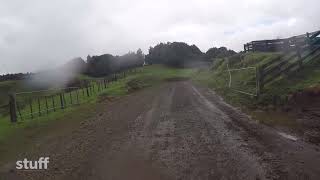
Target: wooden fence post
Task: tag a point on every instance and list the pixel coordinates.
(39, 107)
(87, 90)
(64, 100)
(70, 95)
(53, 104)
(31, 109)
(259, 80)
(308, 39)
(77, 96)
(13, 107)
(47, 108)
(299, 55)
(18, 107)
(61, 101)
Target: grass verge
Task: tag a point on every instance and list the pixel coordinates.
(275, 95)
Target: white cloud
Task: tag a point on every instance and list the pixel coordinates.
(38, 34)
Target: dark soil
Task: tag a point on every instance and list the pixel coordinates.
(305, 105)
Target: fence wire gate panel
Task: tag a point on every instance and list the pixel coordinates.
(243, 80)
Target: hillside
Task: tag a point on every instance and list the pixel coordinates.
(291, 96)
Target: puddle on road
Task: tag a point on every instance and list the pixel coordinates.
(274, 118)
(288, 136)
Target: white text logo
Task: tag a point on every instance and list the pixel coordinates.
(42, 163)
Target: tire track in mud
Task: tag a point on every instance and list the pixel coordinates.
(182, 138)
(176, 131)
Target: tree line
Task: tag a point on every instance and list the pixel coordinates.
(15, 76)
(179, 54)
(107, 64)
(175, 54)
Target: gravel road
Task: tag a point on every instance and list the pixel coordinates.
(174, 131)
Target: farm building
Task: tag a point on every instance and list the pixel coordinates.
(276, 45)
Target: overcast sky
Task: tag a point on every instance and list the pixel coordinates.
(37, 34)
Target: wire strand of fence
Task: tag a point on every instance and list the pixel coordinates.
(41, 104)
(46, 90)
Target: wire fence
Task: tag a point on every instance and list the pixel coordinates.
(34, 104)
(53, 101)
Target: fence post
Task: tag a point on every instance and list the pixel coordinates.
(87, 90)
(13, 107)
(53, 104)
(64, 100)
(39, 107)
(70, 95)
(286, 45)
(299, 55)
(308, 39)
(77, 96)
(31, 110)
(259, 79)
(82, 89)
(47, 104)
(61, 101)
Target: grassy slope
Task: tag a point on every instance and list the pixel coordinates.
(18, 137)
(217, 78)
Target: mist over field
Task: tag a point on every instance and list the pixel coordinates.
(35, 35)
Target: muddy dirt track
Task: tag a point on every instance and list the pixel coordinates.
(175, 131)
